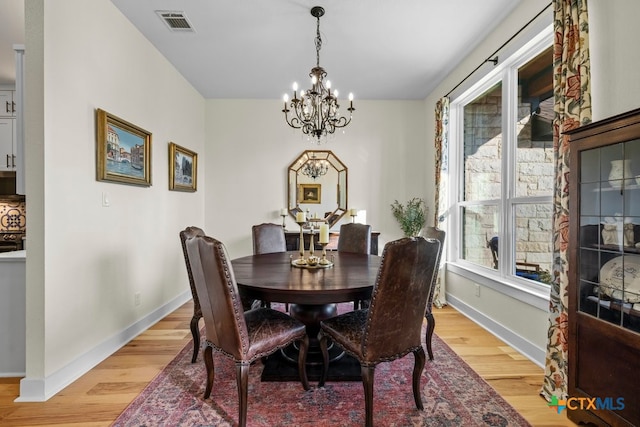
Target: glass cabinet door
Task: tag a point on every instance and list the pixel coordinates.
(609, 246)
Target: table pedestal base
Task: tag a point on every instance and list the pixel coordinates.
(283, 365)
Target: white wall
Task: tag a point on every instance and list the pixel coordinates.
(615, 58)
(85, 261)
(250, 147)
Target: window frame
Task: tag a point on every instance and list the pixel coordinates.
(504, 279)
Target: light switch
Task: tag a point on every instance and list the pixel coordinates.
(105, 200)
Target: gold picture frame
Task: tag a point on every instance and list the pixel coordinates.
(123, 151)
(310, 193)
(183, 169)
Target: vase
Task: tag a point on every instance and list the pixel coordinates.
(620, 169)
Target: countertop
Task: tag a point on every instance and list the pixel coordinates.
(13, 255)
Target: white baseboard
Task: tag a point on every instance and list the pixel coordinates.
(532, 352)
(41, 389)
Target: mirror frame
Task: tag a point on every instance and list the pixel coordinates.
(342, 187)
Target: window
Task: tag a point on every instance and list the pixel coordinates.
(502, 134)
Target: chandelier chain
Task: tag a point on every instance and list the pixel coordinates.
(318, 42)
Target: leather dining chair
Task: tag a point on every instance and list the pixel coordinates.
(186, 234)
(244, 336)
(247, 303)
(268, 238)
(432, 233)
(392, 325)
(356, 238)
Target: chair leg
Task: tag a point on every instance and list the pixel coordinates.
(431, 325)
(367, 382)
(325, 358)
(208, 363)
(417, 374)
(302, 362)
(195, 332)
(242, 381)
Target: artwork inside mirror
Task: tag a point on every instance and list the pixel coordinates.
(317, 182)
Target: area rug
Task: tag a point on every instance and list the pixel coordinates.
(452, 394)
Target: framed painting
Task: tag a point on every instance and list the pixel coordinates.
(310, 193)
(123, 151)
(183, 169)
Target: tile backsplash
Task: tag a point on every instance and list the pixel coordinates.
(13, 216)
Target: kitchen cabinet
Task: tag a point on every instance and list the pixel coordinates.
(12, 314)
(8, 144)
(604, 271)
(7, 103)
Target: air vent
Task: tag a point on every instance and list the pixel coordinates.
(175, 20)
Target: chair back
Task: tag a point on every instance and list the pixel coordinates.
(431, 232)
(186, 234)
(224, 321)
(268, 238)
(355, 238)
(399, 298)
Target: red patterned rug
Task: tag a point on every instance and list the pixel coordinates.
(452, 393)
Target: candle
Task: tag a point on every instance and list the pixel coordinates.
(300, 217)
(353, 212)
(324, 233)
(283, 212)
(315, 215)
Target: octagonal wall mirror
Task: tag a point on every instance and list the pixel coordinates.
(323, 195)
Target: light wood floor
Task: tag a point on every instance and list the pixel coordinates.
(98, 397)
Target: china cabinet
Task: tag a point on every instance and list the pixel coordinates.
(604, 272)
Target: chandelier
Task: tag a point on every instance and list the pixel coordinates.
(316, 111)
(315, 168)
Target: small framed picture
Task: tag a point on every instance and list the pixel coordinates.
(183, 169)
(123, 151)
(310, 193)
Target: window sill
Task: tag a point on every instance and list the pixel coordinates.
(536, 295)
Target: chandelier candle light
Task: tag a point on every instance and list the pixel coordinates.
(316, 111)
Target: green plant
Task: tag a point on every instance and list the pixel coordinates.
(411, 217)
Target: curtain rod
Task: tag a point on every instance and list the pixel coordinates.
(493, 58)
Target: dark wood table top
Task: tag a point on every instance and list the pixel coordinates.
(271, 277)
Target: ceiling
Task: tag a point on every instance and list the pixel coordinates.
(255, 49)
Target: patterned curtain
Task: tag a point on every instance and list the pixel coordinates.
(442, 172)
(572, 99)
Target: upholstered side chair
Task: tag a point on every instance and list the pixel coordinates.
(432, 233)
(186, 234)
(242, 336)
(268, 238)
(392, 325)
(356, 238)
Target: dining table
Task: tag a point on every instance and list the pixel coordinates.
(312, 294)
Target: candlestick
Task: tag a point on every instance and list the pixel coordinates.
(324, 260)
(353, 212)
(301, 261)
(283, 215)
(311, 243)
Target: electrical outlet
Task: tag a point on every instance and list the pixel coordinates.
(477, 290)
(136, 299)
